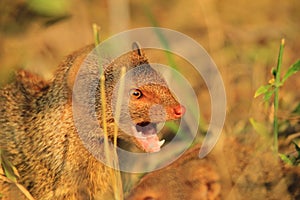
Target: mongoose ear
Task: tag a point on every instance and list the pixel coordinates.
(136, 47)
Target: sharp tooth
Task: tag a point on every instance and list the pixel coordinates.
(141, 135)
(160, 143)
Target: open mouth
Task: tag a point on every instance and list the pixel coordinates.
(146, 135)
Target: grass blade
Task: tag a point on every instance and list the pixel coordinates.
(117, 183)
(285, 159)
(110, 154)
(9, 170)
(24, 191)
(96, 32)
(259, 127)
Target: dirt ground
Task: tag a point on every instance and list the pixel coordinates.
(242, 38)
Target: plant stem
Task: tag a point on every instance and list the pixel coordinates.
(110, 154)
(117, 183)
(276, 96)
(103, 103)
(118, 104)
(96, 30)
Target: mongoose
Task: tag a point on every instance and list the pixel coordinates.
(188, 178)
(39, 135)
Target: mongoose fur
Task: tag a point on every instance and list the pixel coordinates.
(40, 138)
(188, 178)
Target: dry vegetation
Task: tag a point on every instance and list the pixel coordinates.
(242, 37)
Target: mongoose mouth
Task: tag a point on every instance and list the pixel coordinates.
(146, 135)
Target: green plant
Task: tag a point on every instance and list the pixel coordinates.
(292, 159)
(272, 89)
(9, 174)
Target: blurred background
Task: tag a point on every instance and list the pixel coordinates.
(242, 38)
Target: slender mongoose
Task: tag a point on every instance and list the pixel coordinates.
(39, 135)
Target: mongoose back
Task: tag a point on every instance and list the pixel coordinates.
(39, 135)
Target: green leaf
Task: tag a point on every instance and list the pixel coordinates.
(292, 70)
(268, 95)
(285, 159)
(9, 170)
(259, 127)
(297, 109)
(297, 148)
(262, 90)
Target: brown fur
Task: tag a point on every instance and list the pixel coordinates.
(39, 137)
(188, 178)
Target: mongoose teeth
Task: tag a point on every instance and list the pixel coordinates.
(160, 143)
(140, 135)
(150, 143)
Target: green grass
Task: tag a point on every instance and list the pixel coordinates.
(11, 175)
(272, 89)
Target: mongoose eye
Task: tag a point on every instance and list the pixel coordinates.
(136, 93)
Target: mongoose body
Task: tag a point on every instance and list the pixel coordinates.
(188, 178)
(40, 138)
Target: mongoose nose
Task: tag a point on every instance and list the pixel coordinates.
(179, 111)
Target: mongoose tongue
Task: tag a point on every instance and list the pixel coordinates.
(145, 134)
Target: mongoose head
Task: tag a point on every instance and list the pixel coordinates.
(145, 101)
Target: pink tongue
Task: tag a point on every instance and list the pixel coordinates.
(149, 143)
